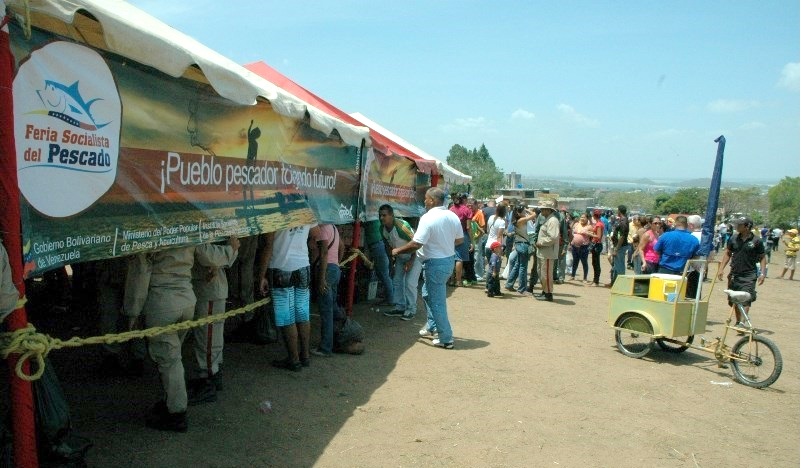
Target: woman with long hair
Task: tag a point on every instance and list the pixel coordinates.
(596, 246)
(640, 225)
(580, 245)
(646, 246)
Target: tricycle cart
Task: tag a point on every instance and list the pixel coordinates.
(670, 310)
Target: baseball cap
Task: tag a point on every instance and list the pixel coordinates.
(792, 231)
(742, 220)
(495, 244)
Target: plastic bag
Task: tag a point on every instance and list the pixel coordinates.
(264, 330)
(52, 411)
(53, 424)
(348, 337)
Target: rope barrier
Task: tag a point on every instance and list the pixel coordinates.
(357, 253)
(30, 344)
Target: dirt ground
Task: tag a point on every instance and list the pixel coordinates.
(528, 384)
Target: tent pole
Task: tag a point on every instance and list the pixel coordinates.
(357, 227)
(22, 410)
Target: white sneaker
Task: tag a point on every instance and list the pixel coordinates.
(436, 342)
(426, 333)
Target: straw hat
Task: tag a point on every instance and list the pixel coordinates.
(547, 203)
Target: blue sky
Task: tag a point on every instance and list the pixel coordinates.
(585, 88)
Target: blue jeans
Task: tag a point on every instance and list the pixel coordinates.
(560, 266)
(411, 283)
(519, 268)
(479, 257)
(436, 272)
(328, 306)
(620, 261)
(637, 263)
(406, 283)
(381, 267)
(511, 260)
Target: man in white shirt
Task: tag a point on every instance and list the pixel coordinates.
(438, 234)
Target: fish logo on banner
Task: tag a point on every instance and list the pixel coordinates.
(67, 128)
(345, 213)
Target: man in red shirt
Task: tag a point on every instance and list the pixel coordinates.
(464, 213)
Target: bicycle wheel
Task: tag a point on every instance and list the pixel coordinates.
(670, 347)
(756, 362)
(636, 340)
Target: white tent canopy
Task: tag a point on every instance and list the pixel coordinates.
(123, 29)
(451, 175)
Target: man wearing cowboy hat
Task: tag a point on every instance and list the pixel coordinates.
(791, 252)
(744, 250)
(547, 248)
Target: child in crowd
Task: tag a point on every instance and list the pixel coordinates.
(493, 278)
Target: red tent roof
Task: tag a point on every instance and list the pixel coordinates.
(380, 142)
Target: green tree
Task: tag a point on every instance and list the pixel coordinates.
(784, 204)
(747, 201)
(487, 177)
(638, 201)
(659, 201)
(689, 201)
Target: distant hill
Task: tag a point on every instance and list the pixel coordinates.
(556, 183)
(704, 183)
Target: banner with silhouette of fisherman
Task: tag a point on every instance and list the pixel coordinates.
(116, 158)
(392, 180)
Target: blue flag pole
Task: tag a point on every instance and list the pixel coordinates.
(708, 230)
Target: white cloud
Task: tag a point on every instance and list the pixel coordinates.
(521, 114)
(789, 77)
(731, 105)
(752, 126)
(472, 124)
(570, 113)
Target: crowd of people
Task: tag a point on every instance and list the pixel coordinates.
(556, 242)
(159, 289)
(512, 248)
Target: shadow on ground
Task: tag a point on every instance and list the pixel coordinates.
(308, 408)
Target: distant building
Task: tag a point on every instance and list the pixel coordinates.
(514, 180)
(525, 196)
(532, 197)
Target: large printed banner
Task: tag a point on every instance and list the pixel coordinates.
(393, 180)
(116, 158)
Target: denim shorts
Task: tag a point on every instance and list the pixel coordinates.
(463, 252)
